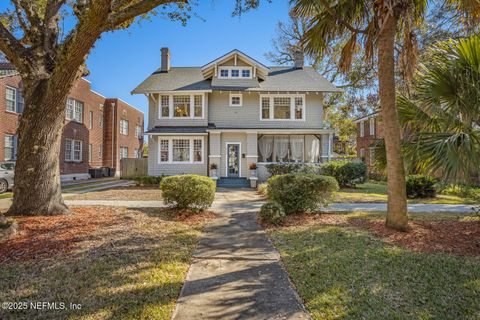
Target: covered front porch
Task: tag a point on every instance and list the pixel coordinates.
(232, 151)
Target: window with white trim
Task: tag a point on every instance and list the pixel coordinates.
(90, 120)
(164, 151)
(11, 95)
(9, 149)
(235, 72)
(73, 150)
(138, 132)
(181, 150)
(136, 153)
(236, 100)
(100, 121)
(165, 106)
(123, 152)
(124, 127)
(224, 73)
(90, 151)
(246, 73)
(198, 106)
(362, 129)
(74, 110)
(100, 151)
(372, 126)
(181, 106)
(282, 107)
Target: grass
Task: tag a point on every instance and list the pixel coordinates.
(121, 193)
(345, 273)
(376, 191)
(133, 269)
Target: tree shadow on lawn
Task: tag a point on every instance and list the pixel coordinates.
(346, 273)
(133, 269)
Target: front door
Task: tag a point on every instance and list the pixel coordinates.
(233, 160)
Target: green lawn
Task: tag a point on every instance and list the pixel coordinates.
(376, 191)
(345, 273)
(133, 269)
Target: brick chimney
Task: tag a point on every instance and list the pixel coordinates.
(298, 59)
(165, 66)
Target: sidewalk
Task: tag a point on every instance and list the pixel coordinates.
(236, 272)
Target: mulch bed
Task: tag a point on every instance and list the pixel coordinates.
(191, 218)
(457, 237)
(47, 236)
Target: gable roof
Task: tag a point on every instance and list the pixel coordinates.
(232, 53)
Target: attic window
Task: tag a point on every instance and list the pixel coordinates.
(232, 72)
(235, 73)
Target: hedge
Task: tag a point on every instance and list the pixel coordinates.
(273, 213)
(189, 191)
(348, 174)
(420, 186)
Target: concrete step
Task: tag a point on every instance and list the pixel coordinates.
(233, 183)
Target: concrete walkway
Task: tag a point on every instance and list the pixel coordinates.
(236, 272)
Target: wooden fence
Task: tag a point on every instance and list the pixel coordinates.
(130, 167)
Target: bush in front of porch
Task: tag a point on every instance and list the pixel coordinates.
(301, 192)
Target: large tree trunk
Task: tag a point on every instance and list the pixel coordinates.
(37, 189)
(397, 197)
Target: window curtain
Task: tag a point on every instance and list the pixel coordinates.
(312, 149)
(281, 148)
(296, 145)
(265, 145)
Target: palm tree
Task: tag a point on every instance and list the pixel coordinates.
(443, 112)
(375, 25)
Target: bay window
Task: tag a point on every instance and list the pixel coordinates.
(289, 148)
(282, 107)
(181, 150)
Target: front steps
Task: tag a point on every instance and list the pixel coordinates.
(233, 183)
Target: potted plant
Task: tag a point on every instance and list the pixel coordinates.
(253, 169)
(213, 169)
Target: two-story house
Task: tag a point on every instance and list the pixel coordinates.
(98, 131)
(232, 112)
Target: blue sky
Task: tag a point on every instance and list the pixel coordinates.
(122, 59)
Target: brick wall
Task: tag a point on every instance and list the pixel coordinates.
(368, 140)
(99, 132)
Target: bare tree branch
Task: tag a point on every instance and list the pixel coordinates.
(13, 49)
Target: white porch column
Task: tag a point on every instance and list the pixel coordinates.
(215, 153)
(252, 149)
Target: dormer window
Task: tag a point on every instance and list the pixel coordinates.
(232, 72)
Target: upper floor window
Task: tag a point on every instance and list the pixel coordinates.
(235, 72)
(182, 106)
(90, 120)
(14, 100)
(362, 128)
(138, 132)
(73, 150)
(282, 107)
(124, 127)
(74, 110)
(235, 100)
(372, 126)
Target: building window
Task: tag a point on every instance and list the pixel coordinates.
(90, 120)
(265, 108)
(11, 95)
(362, 153)
(246, 73)
(372, 156)
(10, 147)
(236, 100)
(138, 132)
(181, 106)
(100, 121)
(235, 73)
(164, 155)
(224, 73)
(74, 110)
(165, 106)
(298, 108)
(124, 127)
(372, 126)
(90, 152)
(73, 150)
(100, 151)
(181, 150)
(197, 150)
(198, 106)
(289, 148)
(281, 108)
(123, 152)
(362, 129)
(136, 153)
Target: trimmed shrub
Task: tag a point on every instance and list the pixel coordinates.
(262, 189)
(286, 168)
(189, 191)
(348, 174)
(272, 213)
(147, 180)
(420, 186)
(301, 192)
(462, 190)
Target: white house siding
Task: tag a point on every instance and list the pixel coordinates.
(169, 169)
(248, 116)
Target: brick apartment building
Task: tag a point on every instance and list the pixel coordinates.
(369, 129)
(98, 131)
